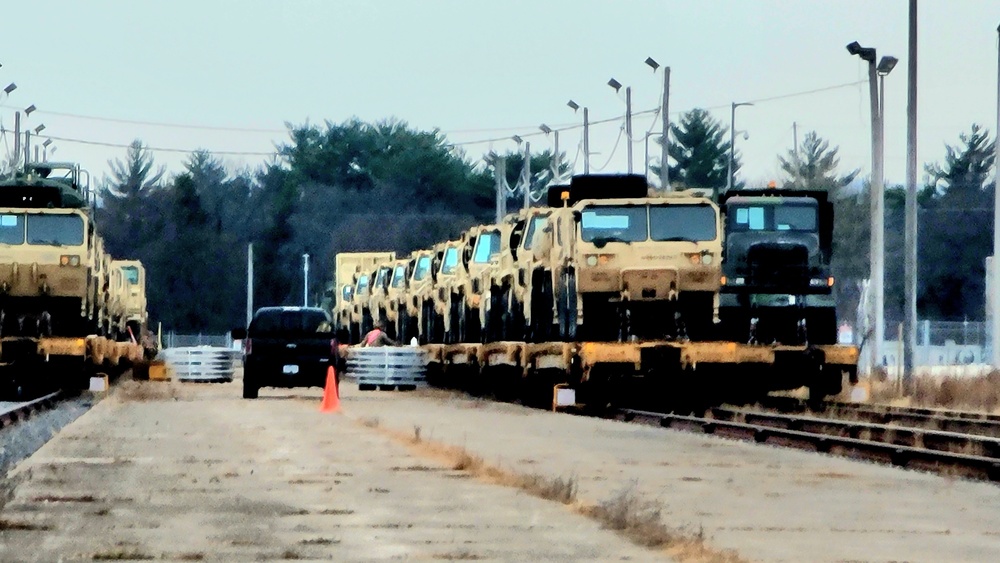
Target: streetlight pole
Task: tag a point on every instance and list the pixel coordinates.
(305, 280)
(665, 138)
(586, 134)
(557, 158)
(995, 292)
(628, 117)
(877, 198)
(732, 147)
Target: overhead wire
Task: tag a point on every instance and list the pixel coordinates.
(654, 111)
(614, 149)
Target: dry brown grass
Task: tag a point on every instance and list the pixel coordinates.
(979, 393)
(23, 526)
(142, 391)
(638, 521)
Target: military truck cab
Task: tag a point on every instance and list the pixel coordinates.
(777, 285)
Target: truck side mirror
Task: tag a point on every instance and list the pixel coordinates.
(239, 333)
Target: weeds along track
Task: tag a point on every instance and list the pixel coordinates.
(22, 411)
(971, 455)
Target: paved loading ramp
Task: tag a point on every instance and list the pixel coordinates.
(190, 471)
(181, 469)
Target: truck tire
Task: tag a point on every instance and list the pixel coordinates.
(249, 389)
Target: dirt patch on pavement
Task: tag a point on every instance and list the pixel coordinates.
(638, 521)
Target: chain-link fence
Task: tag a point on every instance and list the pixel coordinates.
(939, 343)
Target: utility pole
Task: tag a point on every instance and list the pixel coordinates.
(557, 160)
(996, 235)
(586, 141)
(17, 137)
(249, 283)
(27, 146)
(499, 173)
(665, 139)
(910, 238)
(795, 139)
(305, 280)
(526, 174)
(628, 124)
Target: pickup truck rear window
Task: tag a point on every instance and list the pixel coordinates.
(290, 322)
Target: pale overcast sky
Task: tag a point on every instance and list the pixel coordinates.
(110, 71)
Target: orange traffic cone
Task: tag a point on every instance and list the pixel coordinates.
(331, 397)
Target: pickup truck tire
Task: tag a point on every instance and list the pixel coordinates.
(249, 390)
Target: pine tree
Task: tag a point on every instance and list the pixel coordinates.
(701, 151)
(814, 166)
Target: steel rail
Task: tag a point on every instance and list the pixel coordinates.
(918, 437)
(911, 457)
(23, 411)
(952, 421)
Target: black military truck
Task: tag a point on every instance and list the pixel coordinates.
(776, 285)
(287, 347)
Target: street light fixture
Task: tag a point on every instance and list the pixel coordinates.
(615, 84)
(517, 139)
(655, 65)
(586, 134)
(29, 109)
(39, 129)
(877, 250)
(10, 88)
(732, 147)
(545, 128)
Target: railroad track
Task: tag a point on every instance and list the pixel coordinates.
(951, 453)
(948, 421)
(22, 411)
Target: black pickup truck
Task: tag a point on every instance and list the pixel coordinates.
(287, 347)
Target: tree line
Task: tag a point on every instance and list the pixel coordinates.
(357, 186)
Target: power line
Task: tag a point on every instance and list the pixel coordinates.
(155, 149)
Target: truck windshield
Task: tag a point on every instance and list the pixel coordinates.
(535, 225)
(487, 246)
(682, 222)
(781, 217)
(131, 274)
(347, 293)
(380, 278)
(399, 276)
(55, 230)
(450, 261)
(286, 322)
(362, 284)
(422, 268)
(620, 223)
(12, 229)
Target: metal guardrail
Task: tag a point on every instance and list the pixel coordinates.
(387, 367)
(201, 363)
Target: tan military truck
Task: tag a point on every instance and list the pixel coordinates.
(463, 293)
(506, 283)
(447, 263)
(389, 302)
(348, 266)
(614, 263)
(133, 297)
(419, 287)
